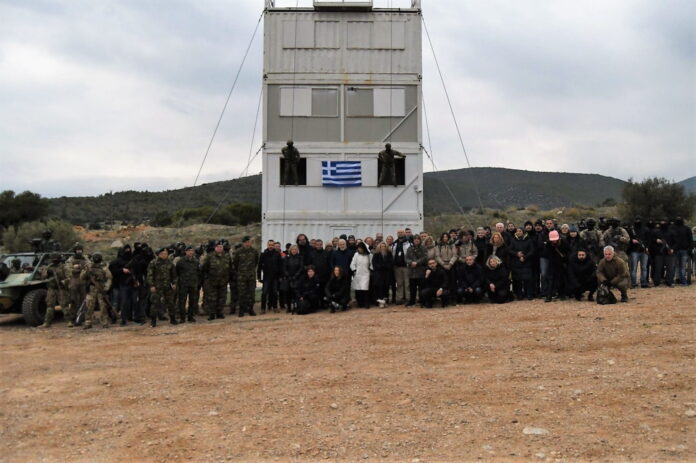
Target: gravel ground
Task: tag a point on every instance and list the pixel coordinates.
(566, 381)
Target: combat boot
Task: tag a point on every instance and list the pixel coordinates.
(153, 322)
(221, 315)
(590, 297)
(173, 321)
(624, 297)
(211, 317)
(191, 319)
(252, 313)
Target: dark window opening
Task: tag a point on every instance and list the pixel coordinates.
(301, 172)
(399, 167)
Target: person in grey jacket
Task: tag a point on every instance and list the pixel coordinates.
(417, 262)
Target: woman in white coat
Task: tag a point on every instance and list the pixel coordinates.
(361, 265)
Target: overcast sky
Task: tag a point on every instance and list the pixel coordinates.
(99, 95)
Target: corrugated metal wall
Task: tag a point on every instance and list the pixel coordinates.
(279, 59)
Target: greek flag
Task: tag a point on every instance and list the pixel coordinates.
(341, 173)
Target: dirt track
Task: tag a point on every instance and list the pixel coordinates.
(463, 383)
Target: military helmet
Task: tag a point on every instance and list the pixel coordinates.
(47, 233)
(97, 257)
(77, 246)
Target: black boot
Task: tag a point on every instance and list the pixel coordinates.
(173, 321)
(153, 322)
(191, 319)
(211, 316)
(252, 313)
(221, 315)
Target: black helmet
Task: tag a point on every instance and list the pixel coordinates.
(47, 233)
(16, 262)
(97, 257)
(77, 246)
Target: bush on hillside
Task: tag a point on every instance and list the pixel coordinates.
(18, 238)
(655, 198)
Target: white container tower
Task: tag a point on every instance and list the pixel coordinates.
(341, 79)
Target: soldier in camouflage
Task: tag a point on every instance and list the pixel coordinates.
(76, 287)
(97, 275)
(161, 279)
(216, 270)
(617, 237)
(244, 262)
(56, 296)
(591, 240)
(16, 266)
(234, 287)
(187, 270)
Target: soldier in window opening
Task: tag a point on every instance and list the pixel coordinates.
(292, 159)
(386, 161)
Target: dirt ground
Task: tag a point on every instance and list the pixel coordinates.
(569, 381)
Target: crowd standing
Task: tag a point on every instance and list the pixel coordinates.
(536, 260)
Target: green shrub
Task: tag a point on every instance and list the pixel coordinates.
(18, 239)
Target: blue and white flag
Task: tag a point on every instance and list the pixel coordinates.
(341, 173)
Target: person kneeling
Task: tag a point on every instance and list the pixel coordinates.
(469, 281)
(497, 281)
(612, 272)
(308, 293)
(582, 275)
(337, 291)
(434, 285)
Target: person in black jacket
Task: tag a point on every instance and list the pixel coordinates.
(304, 249)
(308, 293)
(582, 275)
(637, 252)
(383, 266)
(556, 249)
(684, 241)
(435, 285)
(124, 285)
(337, 290)
(496, 280)
(320, 261)
(481, 242)
(661, 248)
(521, 251)
(469, 281)
(269, 272)
(293, 269)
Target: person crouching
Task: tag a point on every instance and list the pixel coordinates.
(613, 272)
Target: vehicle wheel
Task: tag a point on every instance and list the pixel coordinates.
(34, 307)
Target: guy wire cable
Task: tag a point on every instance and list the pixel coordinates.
(454, 118)
(292, 109)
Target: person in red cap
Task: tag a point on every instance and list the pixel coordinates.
(557, 250)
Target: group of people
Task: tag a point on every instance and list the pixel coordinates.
(142, 284)
(539, 259)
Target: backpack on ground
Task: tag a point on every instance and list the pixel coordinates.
(604, 295)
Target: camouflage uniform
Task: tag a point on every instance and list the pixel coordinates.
(592, 239)
(187, 270)
(56, 297)
(98, 276)
(216, 269)
(245, 261)
(161, 274)
(619, 238)
(77, 289)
